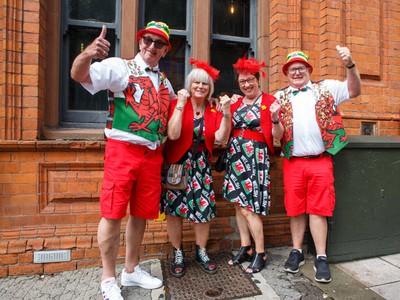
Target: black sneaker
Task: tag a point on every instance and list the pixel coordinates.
(178, 265)
(204, 261)
(321, 268)
(294, 261)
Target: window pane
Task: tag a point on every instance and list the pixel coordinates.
(223, 55)
(174, 63)
(231, 17)
(79, 98)
(93, 10)
(172, 12)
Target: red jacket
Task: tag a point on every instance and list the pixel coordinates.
(265, 116)
(212, 120)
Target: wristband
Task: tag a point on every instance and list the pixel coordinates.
(351, 67)
(179, 108)
(228, 115)
(276, 122)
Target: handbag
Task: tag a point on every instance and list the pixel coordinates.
(220, 164)
(177, 177)
(178, 174)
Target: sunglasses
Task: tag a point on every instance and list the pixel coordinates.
(157, 43)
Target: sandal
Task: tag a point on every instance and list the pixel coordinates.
(242, 256)
(258, 263)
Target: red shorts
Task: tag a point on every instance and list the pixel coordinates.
(132, 174)
(308, 185)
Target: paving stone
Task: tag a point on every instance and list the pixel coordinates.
(273, 281)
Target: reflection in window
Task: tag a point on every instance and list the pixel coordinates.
(95, 10)
(233, 36)
(79, 98)
(224, 55)
(175, 13)
(82, 23)
(174, 63)
(172, 12)
(231, 17)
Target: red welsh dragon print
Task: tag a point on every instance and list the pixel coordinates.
(149, 106)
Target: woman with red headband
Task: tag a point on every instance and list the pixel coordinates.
(193, 127)
(246, 182)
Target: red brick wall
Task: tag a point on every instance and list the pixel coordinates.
(370, 29)
(49, 189)
(49, 201)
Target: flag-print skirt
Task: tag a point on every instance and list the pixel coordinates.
(247, 180)
(197, 202)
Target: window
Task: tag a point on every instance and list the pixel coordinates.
(177, 14)
(233, 34)
(233, 26)
(81, 24)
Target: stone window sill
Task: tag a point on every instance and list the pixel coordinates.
(88, 134)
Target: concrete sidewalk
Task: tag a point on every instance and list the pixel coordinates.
(377, 278)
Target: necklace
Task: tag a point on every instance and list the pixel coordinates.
(254, 101)
(200, 112)
(249, 106)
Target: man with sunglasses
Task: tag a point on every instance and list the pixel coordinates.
(139, 97)
(313, 131)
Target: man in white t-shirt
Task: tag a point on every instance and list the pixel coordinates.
(139, 97)
(312, 131)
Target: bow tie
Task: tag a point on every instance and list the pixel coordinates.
(296, 91)
(150, 69)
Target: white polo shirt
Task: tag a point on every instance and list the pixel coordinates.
(307, 139)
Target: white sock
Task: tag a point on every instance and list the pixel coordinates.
(108, 281)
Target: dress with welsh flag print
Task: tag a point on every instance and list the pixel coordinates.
(246, 180)
(197, 202)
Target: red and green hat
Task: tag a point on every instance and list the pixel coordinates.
(296, 56)
(155, 27)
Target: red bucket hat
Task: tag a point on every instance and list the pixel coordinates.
(155, 27)
(296, 56)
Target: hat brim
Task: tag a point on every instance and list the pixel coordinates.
(296, 59)
(153, 31)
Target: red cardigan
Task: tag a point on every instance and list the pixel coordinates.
(265, 118)
(212, 120)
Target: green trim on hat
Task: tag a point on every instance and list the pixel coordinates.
(159, 26)
(156, 27)
(296, 54)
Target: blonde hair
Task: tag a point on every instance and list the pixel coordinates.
(201, 76)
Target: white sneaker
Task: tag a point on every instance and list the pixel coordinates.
(110, 289)
(140, 278)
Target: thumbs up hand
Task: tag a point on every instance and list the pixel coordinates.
(100, 47)
(103, 32)
(344, 54)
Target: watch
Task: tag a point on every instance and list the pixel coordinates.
(276, 122)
